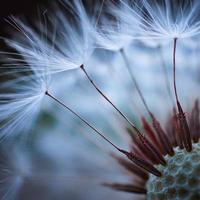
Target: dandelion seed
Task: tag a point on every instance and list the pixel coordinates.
(20, 100)
(168, 19)
(160, 19)
(60, 43)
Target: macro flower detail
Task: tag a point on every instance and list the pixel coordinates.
(61, 50)
(106, 65)
(39, 54)
(178, 178)
(22, 102)
(163, 19)
(168, 19)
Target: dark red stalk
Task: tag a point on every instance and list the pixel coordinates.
(131, 156)
(151, 150)
(126, 188)
(142, 163)
(174, 68)
(83, 120)
(131, 167)
(147, 148)
(108, 100)
(160, 132)
(164, 67)
(152, 135)
(195, 122)
(167, 146)
(183, 122)
(134, 80)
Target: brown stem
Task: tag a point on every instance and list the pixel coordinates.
(174, 69)
(182, 119)
(108, 100)
(82, 119)
(134, 80)
(164, 68)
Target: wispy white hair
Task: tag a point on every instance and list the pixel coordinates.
(163, 19)
(20, 99)
(77, 41)
(61, 42)
(115, 31)
(172, 19)
(38, 55)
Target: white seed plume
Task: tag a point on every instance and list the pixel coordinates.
(20, 99)
(60, 42)
(115, 31)
(40, 53)
(163, 19)
(171, 19)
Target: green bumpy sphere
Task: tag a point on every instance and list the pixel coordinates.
(180, 177)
